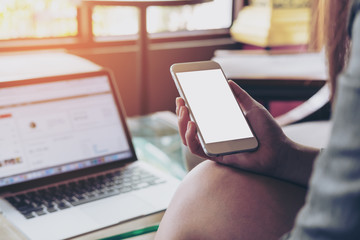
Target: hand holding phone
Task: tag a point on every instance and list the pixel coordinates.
(222, 127)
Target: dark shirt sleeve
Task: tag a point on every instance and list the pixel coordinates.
(332, 208)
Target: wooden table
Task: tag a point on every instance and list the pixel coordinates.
(143, 40)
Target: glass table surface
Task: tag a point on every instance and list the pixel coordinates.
(157, 141)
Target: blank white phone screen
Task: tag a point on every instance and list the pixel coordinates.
(216, 112)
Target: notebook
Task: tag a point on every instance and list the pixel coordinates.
(67, 162)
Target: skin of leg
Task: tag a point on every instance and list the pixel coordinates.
(218, 202)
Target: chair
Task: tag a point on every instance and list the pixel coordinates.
(310, 106)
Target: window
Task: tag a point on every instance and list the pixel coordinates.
(206, 16)
(65, 19)
(115, 21)
(37, 19)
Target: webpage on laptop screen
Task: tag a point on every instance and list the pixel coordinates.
(56, 127)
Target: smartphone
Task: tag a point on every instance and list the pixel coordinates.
(221, 124)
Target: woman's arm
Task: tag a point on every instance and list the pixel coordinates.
(277, 155)
(332, 210)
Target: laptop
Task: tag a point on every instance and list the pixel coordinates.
(67, 162)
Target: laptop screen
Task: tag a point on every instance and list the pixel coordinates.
(55, 127)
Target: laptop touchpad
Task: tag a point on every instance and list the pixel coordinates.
(115, 209)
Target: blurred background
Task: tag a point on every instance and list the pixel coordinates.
(108, 36)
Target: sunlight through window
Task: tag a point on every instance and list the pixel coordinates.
(37, 18)
(23, 19)
(212, 15)
(116, 21)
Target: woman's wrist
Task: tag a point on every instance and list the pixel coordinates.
(296, 163)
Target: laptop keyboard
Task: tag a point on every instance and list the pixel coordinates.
(55, 198)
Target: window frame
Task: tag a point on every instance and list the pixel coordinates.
(86, 39)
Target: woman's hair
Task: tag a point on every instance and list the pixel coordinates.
(336, 37)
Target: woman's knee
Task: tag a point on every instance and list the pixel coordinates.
(216, 200)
